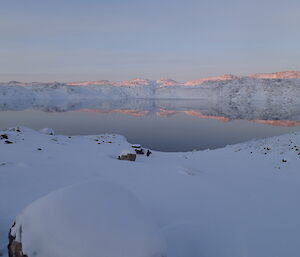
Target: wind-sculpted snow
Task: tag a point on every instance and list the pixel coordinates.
(252, 99)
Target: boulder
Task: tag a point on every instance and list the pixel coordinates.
(148, 153)
(4, 136)
(127, 155)
(15, 247)
(140, 151)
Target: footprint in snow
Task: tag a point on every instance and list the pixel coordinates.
(7, 164)
(3, 164)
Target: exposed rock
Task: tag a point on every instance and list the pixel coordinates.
(140, 151)
(148, 152)
(4, 136)
(128, 157)
(15, 247)
(17, 129)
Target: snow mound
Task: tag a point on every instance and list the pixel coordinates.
(87, 220)
(47, 131)
(127, 151)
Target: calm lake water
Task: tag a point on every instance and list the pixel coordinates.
(163, 130)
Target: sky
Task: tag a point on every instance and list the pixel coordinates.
(72, 40)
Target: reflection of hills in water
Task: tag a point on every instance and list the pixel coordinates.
(275, 114)
(267, 98)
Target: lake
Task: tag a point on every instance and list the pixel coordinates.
(159, 125)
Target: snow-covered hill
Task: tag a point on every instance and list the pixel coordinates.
(233, 89)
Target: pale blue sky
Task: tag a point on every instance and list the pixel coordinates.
(114, 39)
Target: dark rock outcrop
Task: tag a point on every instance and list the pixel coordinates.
(139, 151)
(15, 247)
(128, 157)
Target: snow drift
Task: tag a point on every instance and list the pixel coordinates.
(91, 219)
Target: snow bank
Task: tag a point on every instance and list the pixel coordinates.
(87, 220)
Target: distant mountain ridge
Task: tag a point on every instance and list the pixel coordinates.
(166, 82)
(170, 82)
(217, 78)
(277, 75)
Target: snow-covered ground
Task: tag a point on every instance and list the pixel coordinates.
(241, 200)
